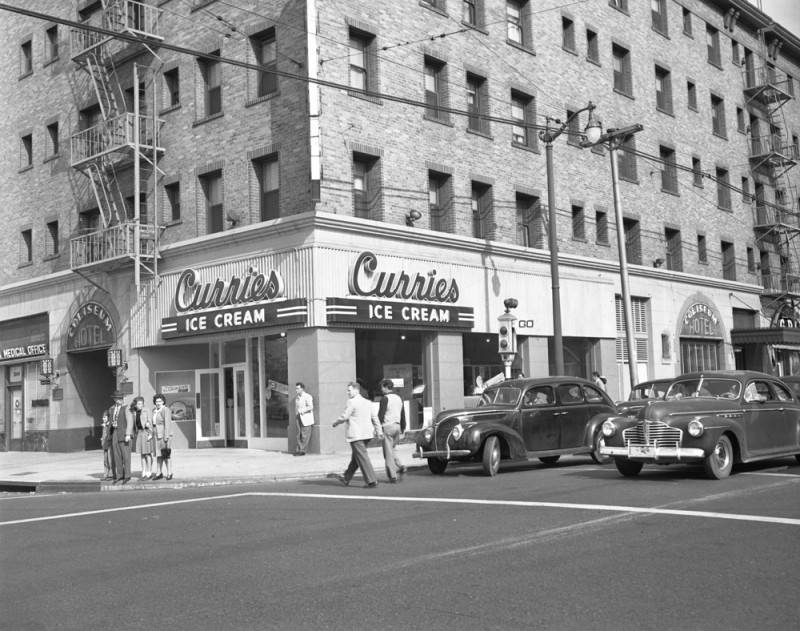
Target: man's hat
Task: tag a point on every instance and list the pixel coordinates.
(117, 395)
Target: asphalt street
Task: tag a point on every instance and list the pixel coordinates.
(574, 546)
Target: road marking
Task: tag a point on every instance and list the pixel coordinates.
(788, 521)
(770, 473)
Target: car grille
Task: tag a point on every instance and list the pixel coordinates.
(441, 432)
(653, 433)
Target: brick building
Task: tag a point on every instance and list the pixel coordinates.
(215, 200)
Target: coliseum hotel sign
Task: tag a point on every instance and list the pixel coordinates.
(700, 320)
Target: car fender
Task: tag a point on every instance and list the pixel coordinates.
(594, 425)
(511, 444)
(713, 427)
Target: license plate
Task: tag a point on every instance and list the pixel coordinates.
(641, 451)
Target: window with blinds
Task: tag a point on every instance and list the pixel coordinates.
(639, 309)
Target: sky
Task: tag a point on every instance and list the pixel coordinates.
(784, 12)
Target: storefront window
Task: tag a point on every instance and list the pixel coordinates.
(481, 360)
(276, 386)
(178, 390)
(698, 355)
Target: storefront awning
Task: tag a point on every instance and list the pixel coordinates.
(775, 335)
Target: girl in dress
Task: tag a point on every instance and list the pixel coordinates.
(144, 437)
(162, 421)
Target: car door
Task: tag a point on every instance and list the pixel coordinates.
(540, 417)
(574, 414)
(764, 417)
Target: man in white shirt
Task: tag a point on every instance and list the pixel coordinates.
(392, 417)
(304, 415)
(361, 427)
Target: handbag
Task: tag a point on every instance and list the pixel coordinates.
(166, 452)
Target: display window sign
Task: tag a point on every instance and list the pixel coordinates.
(91, 327)
(405, 314)
(239, 318)
(23, 352)
(701, 320)
(24, 338)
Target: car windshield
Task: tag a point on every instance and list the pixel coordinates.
(500, 396)
(648, 391)
(704, 387)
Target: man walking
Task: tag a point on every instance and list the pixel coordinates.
(392, 417)
(304, 415)
(120, 428)
(361, 427)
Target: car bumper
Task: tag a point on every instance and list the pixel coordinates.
(650, 452)
(441, 454)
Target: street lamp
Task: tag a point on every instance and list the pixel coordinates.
(548, 135)
(612, 140)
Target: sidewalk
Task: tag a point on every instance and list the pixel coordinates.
(31, 471)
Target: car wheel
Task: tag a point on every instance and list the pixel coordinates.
(628, 468)
(437, 465)
(599, 441)
(491, 456)
(719, 462)
(549, 460)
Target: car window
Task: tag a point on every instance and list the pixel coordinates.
(540, 395)
(500, 396)
(794, 386)
(592, 394)
(781, 393)
(570, 393)
(758, 391)
(704, 387)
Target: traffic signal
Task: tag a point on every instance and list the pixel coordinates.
(506, 342)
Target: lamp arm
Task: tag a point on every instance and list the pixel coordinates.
(549, 136)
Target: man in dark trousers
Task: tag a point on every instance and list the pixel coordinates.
(392, 416)
(120, 428)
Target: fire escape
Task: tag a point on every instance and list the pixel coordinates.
(772, 156)
(120, 138)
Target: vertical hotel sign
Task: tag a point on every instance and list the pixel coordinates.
(425, 300)
(254, 300)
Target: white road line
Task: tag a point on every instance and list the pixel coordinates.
(788, 521)
(769, 473)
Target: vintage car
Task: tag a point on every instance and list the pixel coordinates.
(520, 419)
(717, 418)
(642, 393)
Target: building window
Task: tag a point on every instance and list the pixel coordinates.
(130, 208)
(268, 187)
(622, 5)
(723, 189)
(741, 125)
(361, 59)
(51, 44)
(26, 247)
(477, 103)
(718, 116)
(601, 227)
(530, 224)
(746, 198)
(481, 209)
(592, 46)
(518, 22)
(568, 34)
(26, 58)
(626, 160)
(211, 72)
(691, 95)
(523, 112)
(751, 260)
(687, 22)
(663, 90)
(728, 261)
(697, 172)
(366, 186)
(735, 56)
(173, 195)
(440, 196)
(790, 85)
(26, 151)
(639, 313)
(623, 81)
(574, 135)
(633, 241)
(211, 183)
(266, 56)
(435, 90)
(52, 242)
(578, 223)
(674, 258)
(172, 89)
(669, 172)
(658, 11)
(470, 12)
(712, 44)
(52, 140)
(702, 252)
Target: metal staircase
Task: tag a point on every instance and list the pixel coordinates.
(123, 137)
(772, 155)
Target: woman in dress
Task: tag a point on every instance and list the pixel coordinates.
(162, 421)
(144, 437)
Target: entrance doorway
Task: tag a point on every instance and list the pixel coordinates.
(94, 382)
(236, 411)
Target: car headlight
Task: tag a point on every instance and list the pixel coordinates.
(695, 428)
(609, 429)
(457, 431)
(427, 434)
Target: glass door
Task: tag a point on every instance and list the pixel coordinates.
(236, 409)
(208, 417)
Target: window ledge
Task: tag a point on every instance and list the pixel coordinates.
(203, 121)
(580, 239)
(688, 34)
(25, 75)
(716, 64)
(260, 99)
(604, 244)
(172, 223)
(482, 134)
(625, 94)
(596, 62)
(531, 148)
(620, 9)
(571, 51)
(718, 135)
(663, 111)
(729, 209)
(441, 121)
(52, 257)
(664, 34)
(703, 262)
(47, 62)
(428, 5)
(51, 157)
(365, 97)
(25, 168)
(527, 49)
(628, 179)
(169, 109)
(693, 109)
(25, 264)
(670, 192)
(475, 27)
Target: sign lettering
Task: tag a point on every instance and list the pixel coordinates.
(236, 318)
(353, 311)
(90, 327)
(365, 281)
(192, 295)
(700, 320)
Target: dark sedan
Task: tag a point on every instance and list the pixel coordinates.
(717, 418)
(520, 419)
